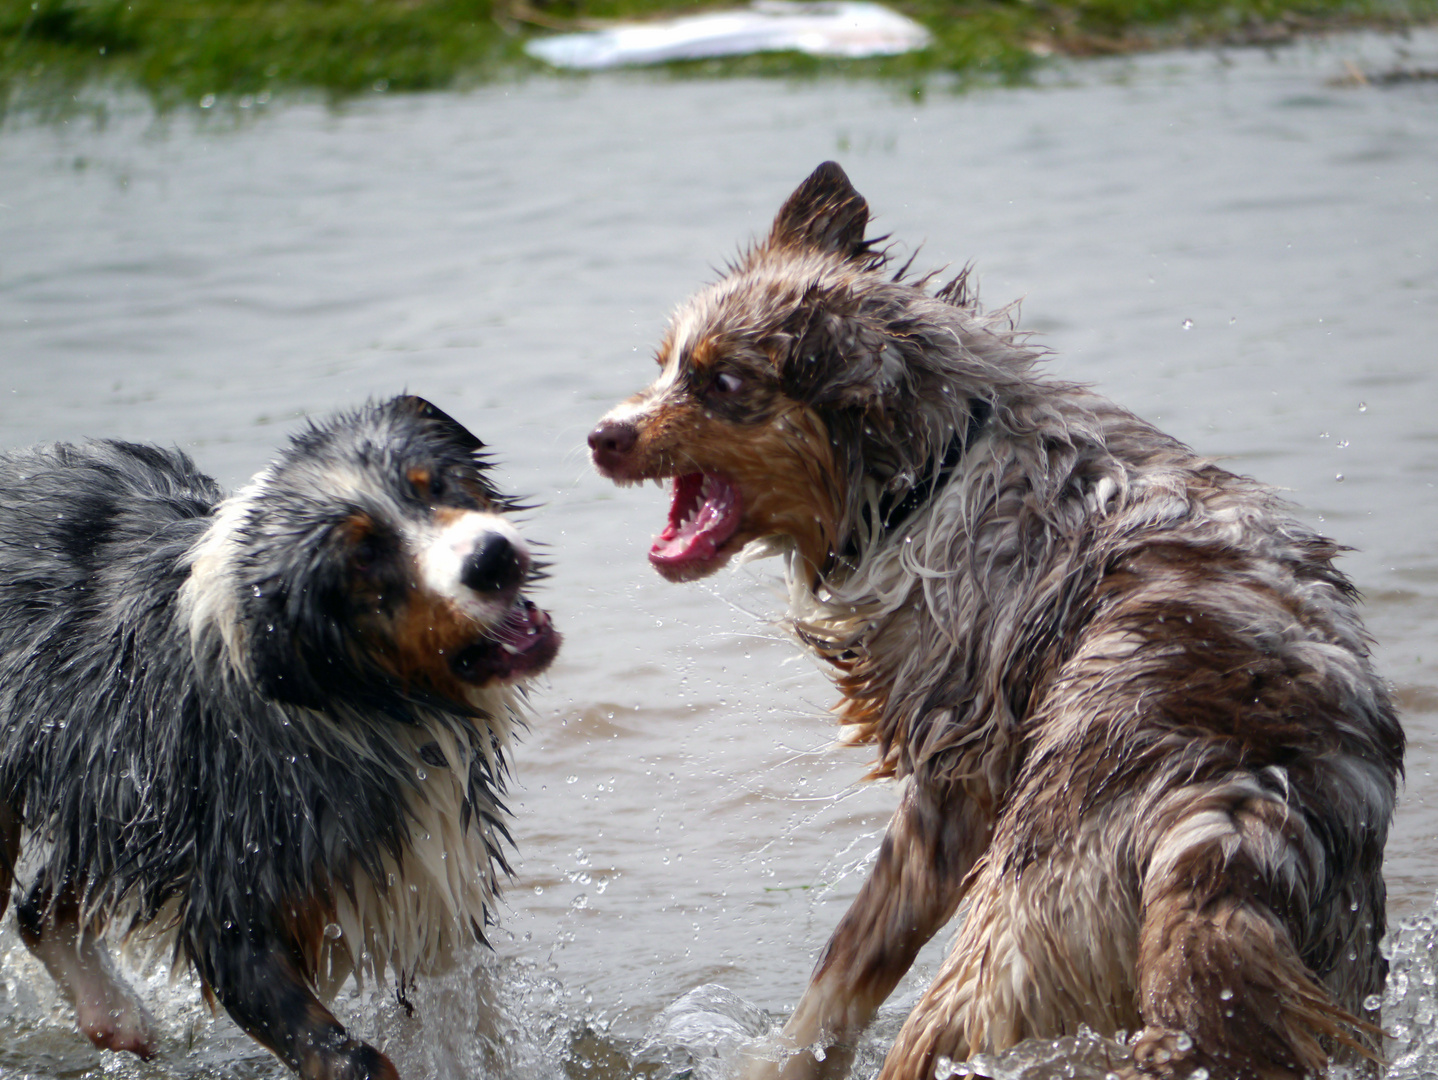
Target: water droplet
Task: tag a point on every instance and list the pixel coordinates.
(1363, 406)
(1183, 1043)
(333, 931)
(1225, 994)
(208, 101)
(1372, 1003)
(421, 774)
(1188, 324)
(1339, 478)
(1342, 444)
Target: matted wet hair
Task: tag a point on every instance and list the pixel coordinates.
(269, 729)
(1129, 692)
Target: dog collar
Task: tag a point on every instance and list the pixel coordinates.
(892, 513)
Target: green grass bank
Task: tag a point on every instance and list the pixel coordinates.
(186, 51)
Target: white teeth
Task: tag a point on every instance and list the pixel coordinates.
(509, 649)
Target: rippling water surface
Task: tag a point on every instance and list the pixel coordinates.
(1230, 244)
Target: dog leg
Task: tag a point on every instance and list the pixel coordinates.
(106, 1009)
(1042, 950)
(258, 979)
(913, 889)
(1221, 983)
(9, 852)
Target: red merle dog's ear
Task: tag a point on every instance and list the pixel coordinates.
(420, 409)
(825, 212)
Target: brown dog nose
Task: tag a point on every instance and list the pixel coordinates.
(611, 442)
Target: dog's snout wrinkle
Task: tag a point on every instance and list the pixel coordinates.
(493, 566)
(612, 441)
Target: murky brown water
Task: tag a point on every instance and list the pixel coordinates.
(512, 254)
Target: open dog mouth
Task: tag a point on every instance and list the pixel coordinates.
(704, 514)
(523, 644)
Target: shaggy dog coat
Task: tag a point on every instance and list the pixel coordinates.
(268, 730)
(1129, 693)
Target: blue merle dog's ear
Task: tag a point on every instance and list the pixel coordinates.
(825, 212)
(452, 429)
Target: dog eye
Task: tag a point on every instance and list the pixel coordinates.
(365, 553)
(437, 487)
(726, 382)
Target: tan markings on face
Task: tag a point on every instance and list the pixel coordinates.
(425, 633)
(784, 469)
(445, 516)
(428, 628)
(419, 479)
(706, 354)
(353, 532)
(355, 528)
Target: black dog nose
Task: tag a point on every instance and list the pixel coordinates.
(611, 442)
(494, 566)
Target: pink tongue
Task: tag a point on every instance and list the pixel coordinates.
(523, 628)
(704, 514)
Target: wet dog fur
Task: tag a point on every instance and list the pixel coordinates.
(266, 731)
(1128, 692)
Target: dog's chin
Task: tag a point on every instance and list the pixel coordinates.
(703, 529)
(523, 645)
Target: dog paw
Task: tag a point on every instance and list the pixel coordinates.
(350, 1060)
(756, 1068)
(1166, 1054)
(117, 1023)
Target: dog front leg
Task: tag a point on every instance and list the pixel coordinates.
(914, 888)
(106, 1009)
(257, 977)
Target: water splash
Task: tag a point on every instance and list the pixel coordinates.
(701, 1035)
(514, 1020)
(1410, 1014)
